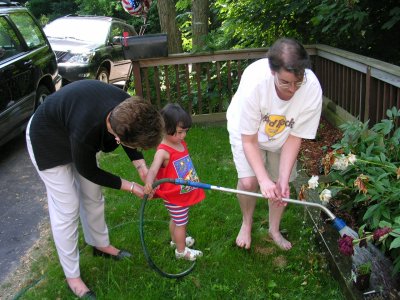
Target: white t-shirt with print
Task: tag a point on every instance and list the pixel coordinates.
(256, 108)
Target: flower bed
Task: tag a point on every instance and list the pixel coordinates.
(362, 171)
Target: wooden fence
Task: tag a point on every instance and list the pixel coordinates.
(205, 83)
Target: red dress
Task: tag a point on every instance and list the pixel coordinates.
(180, 165)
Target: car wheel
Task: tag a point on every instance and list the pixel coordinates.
(41, 93)
(103, 75)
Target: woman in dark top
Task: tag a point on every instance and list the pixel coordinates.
(63, 137)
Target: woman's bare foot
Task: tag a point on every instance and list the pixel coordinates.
(280, 241)
(77, 286)
(243, 239)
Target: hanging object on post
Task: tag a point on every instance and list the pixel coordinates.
(138, 8)
(133, 7)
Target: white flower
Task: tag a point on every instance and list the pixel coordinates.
(313, 182)
(351, 158)
(325, 196)
(340, 163)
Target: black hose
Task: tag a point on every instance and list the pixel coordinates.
(142, 240)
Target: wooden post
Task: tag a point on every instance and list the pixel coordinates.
(367, 93)
(137, 78)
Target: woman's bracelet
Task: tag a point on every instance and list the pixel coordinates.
(132, 187)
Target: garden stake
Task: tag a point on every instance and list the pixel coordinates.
(338, 223)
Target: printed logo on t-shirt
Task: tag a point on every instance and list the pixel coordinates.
(275, 124)
(185, 170)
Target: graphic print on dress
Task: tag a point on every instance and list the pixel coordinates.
(185, 170)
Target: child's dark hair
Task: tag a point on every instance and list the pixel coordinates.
(174, 115)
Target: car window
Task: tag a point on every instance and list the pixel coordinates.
(9, 43)
(130, 30)
(118, 29)
(78, 29)
(29, 30)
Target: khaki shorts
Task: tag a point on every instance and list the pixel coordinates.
(271, 162)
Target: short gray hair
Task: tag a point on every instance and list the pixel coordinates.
(290, 55)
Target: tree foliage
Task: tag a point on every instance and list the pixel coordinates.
(51, 9)
(366, 27)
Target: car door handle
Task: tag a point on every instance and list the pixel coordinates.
(28, 63)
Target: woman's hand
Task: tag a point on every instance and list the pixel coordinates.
(137, 190)
(272, 191)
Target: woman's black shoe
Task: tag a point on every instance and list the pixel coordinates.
(89, 295)
(121, 254)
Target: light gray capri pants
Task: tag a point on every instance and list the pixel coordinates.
(71, 196)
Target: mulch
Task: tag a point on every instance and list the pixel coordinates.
(312, 151)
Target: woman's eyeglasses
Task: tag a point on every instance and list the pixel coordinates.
(286, 85)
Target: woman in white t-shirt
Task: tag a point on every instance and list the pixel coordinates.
(278, 103)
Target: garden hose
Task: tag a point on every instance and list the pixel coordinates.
(338, 223)
(142, 239)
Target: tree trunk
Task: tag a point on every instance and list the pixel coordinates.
(167, 15)
(199, 23)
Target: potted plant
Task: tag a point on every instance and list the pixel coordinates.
(361, 275)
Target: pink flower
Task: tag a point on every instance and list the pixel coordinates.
(346, 245)
(381, 232)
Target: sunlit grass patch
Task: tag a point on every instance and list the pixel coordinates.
(225, 271)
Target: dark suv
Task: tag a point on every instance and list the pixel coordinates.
(90, 47)
(28, 68)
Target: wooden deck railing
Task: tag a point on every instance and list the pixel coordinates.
(205, 83)
(362, 86)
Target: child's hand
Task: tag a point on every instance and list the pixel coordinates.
(148, 188)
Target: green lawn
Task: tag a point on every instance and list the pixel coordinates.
(224, 272)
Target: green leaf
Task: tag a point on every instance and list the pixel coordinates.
(396, 231)
(395, 243)
(384, 224)
(396, 267)
(370, 211)
(272, 284)
(386, 213)
(369, 149)
(396, 134)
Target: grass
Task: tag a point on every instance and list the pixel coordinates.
(224, 272)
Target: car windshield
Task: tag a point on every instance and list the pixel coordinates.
(79, 29)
